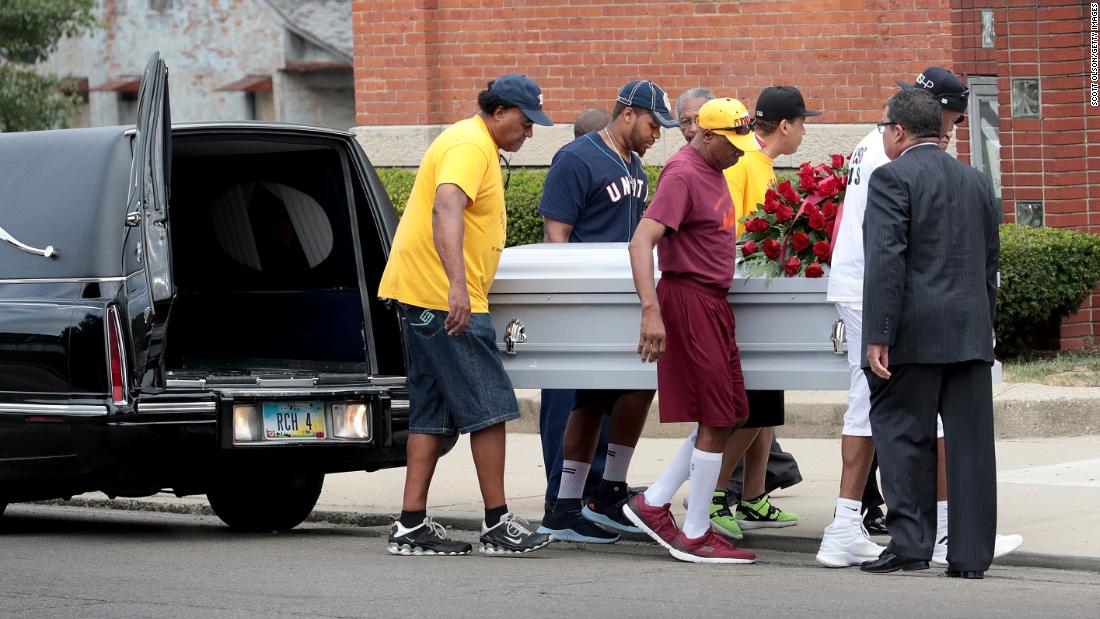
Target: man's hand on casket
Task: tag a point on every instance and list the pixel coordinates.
(651, 344)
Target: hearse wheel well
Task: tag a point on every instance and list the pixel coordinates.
(257, 500)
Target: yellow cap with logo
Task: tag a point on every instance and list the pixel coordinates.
(729, 117)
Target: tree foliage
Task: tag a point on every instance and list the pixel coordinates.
(29, 33)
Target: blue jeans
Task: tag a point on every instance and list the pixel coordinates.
(554, 409)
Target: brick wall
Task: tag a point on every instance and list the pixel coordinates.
(423, 61)
(1055, 158)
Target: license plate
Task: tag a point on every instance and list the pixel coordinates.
(294, 420)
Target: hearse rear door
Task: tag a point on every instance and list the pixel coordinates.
(147, 213)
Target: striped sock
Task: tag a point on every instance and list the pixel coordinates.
(573, 475)
(618, 461)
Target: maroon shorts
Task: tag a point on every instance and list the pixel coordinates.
(699, 377)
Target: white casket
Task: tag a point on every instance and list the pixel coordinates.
(578, 310)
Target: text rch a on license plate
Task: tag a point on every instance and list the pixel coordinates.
(294, 420)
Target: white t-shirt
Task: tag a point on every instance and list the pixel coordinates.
(846, 270)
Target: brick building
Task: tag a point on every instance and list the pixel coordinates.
(420, 63)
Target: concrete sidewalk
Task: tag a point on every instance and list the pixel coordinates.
(1049, 492)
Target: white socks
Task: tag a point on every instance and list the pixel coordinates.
(705, 468)
(941, 520)
(573, 476)
(618, 462)
(674, 475)
(848, 510)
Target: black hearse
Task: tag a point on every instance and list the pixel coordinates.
(194, 308)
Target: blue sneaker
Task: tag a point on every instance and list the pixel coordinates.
(566, 524)
(607, 511)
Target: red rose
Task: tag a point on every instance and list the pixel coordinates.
(829, 186)
(788, 192)
(814, 270)
(771, 249)
(783, 214)
(807, 183)
(830, 228)
(800, 241)
(828, 209)
(748, 248)
(756, 224)
(817, 222)
(792, 265)
(822, 249)
(823, 170)
(838, 162)
(843, 182)
(805, 168)
(771, 202)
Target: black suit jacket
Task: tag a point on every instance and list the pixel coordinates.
(932, 247)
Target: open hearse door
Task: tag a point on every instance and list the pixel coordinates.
(151, 293)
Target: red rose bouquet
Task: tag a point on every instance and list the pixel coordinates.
(791, 233)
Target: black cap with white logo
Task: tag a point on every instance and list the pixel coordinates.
(777, 103)
(944, 86)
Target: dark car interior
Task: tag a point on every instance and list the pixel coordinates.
(265, 262)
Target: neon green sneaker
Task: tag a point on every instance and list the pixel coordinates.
(761, 514)
(722, 520)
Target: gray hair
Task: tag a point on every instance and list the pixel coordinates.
(916, 111)
(590, 120)
(692, 94)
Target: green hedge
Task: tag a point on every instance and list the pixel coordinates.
(1046, 274)
(522, 197)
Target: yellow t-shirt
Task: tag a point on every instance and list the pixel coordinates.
(464, 155)
(749, 179)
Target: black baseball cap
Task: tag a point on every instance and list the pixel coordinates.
(782, 103)
(944, 86)
(522, 92)
(647, 95)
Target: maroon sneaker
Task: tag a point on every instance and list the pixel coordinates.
(656, 522)
(711, 548)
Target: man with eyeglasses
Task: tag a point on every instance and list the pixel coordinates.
(845, 541)
(595, 192)
(688, 327)
(444, 258)
(687, 110)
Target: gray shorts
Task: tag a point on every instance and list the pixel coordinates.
(456, 383)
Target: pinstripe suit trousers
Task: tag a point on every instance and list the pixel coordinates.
(903, 425)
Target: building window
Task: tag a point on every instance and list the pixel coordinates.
(987, 29)
(261, 105)
(1025, 98)
(1029, 214)
(127, 108)
(985, 132)
(160, 5)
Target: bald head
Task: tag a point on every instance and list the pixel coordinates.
(590, 120)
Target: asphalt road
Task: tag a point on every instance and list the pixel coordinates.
(81, 562)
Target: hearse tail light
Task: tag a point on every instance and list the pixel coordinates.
(351, 420)
(246, 423)
(114, 353)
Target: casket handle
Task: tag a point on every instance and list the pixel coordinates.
(514, 333)
(839, 337)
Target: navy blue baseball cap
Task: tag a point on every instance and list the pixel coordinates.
(944, 86)
(647, 95)
(522, 92)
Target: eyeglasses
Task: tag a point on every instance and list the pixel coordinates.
(507, 171)
(960, 120)
(882, 126)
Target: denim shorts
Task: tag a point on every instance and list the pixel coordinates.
(456, 382)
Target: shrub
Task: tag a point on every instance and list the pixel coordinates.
(522, 198)
(1046, 274)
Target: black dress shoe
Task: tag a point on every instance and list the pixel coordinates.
(875, 522)
(889, 562)
(951, 572)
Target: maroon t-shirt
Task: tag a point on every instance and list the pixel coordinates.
(694, 203)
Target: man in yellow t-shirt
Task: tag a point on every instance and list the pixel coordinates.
(780, 117)
(442, 264)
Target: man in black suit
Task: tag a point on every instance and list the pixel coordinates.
(930, 292)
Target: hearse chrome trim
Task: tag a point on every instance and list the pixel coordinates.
(399, 405)
(313, 393)
(45, 253)
(177, 407)
(68, 410)
(68, 280)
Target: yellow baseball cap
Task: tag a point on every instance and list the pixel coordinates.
(729, 117)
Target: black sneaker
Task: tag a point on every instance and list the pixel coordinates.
(427, 538)
(606, 510)
(511, 536)
(566, 524)
(875, 522)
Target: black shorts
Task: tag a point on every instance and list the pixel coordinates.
(603, 399)
(765, 409)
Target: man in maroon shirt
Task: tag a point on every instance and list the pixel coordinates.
(688, 327)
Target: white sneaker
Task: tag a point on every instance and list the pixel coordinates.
(846, 543)
(1002, 545)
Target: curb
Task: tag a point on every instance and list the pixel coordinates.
(758, 541)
